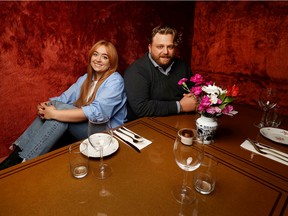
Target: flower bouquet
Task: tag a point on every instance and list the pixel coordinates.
(213, 101)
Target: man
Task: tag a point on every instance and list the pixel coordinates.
(151, 82)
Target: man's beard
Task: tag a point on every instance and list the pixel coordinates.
(168, 59)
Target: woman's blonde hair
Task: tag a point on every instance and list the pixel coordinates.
(113, 60)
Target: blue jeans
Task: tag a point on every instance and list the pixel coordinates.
(42, 135)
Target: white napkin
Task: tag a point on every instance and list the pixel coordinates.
(248, 146)
(139, 145)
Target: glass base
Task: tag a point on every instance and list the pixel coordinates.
(184, 195)
(103, 171)
(204, 186)
(259, 125)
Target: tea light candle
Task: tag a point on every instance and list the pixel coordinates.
(186, 136)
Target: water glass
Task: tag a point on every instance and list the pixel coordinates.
(273, 118)
(267, 100)
(205, 177)
(78, 160)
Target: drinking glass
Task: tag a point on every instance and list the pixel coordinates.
(205, 177)
(273, 118)
(188, 154)
(267, 100)
(78, 160)
(100, 137)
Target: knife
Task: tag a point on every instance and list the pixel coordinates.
(271, 149)
(126, 142)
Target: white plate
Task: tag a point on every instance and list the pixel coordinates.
(275, 134)
(106, 151)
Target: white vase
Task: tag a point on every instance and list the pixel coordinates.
(206, 127)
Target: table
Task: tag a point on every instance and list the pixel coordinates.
(141, 183)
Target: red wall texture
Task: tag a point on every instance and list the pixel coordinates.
(244, 43)
(44, 46)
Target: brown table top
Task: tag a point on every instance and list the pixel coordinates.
(141, 183)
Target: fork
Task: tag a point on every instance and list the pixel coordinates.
(134, 134)
(260, 150)
(134, 140)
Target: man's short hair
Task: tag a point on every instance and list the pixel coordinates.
(165, 29)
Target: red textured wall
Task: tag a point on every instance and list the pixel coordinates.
(244, 43)
(44, 47)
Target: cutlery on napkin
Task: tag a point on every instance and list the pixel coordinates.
(137, 136)
(142, 143)
(248, 146)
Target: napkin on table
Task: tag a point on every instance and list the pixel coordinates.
(140, 145)
(248, 146)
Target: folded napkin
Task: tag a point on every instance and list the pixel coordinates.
(143, 142)
(248, 146)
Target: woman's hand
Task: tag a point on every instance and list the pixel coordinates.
(46, 111)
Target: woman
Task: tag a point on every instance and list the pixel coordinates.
(99, 91)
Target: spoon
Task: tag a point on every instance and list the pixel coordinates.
(126, 134)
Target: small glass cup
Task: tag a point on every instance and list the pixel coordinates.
(78, 160)
(273, 118)
(205, 177)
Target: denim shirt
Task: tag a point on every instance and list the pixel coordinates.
(110, 99)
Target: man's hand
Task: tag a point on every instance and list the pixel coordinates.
(188, 103)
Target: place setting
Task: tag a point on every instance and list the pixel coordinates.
(268, 128)
(131, 138)
(265, 151)
(102, 141)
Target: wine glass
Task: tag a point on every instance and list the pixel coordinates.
(188, 154)
(267, 100)
(100, 136)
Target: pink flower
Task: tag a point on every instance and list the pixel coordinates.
(213, 110)
(197, 79)
(204, 104)
(227, 109)
(181, 81)
(209, 83)
(196, 90)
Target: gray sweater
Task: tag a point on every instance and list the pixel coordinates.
(151, 93)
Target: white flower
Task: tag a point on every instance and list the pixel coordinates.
(213, 90)
(214, 98)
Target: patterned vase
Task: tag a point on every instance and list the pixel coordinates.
(206, 126)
